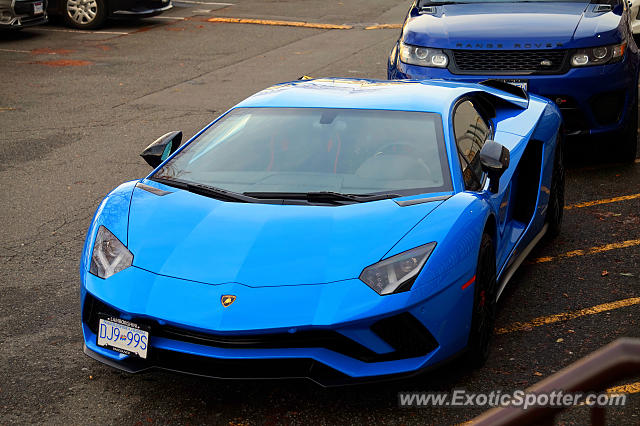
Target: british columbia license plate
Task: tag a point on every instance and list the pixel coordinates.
(38, 8)
(123, 336)
(523, 84)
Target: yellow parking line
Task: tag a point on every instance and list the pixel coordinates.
(592, 250)
(605, 201)
(280, 23)
(565, 316)
(383, 27)
(628, 388)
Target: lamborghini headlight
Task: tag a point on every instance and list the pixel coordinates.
(598, 55)
(397, 273)
(109, 255)
(423, 56)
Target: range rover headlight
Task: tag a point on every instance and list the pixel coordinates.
(397, 273)
(598, 55)
(109, 255)
(423, 56)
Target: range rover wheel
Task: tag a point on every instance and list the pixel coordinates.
(85, 14)
(484, 305)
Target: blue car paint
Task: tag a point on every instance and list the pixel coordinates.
(530, 26)
(533, 24)
(109, 214)
(336, 241)
(296, 268)
(197, 307)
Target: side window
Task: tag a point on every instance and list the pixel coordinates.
(471, 132)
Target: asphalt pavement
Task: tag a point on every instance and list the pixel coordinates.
(77, 108)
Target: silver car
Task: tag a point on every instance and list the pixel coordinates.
(17, 14)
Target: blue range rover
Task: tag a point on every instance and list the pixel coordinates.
(579, 53)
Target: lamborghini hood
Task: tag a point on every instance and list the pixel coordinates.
(517, 25)
(192, 237)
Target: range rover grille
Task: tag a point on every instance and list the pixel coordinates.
(509, 61)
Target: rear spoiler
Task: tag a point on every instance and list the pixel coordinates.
(507, 92)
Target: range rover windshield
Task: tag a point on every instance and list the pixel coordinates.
(272, 152)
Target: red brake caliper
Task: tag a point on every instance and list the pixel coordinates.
(482, 299)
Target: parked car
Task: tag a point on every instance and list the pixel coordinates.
(338, 229)
(18, 14)
(91, 14)
(578, 53)
(634, 8)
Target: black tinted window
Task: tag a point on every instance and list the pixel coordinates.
(471, 132)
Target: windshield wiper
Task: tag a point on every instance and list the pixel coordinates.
(271, 197)
(337, 196)
(209, 191)
(322, 196)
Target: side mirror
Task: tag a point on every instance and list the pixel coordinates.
(494, 159)
(161, 148)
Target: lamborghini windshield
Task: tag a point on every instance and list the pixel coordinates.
(309, 150)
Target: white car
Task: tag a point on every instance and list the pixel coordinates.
(635, 10)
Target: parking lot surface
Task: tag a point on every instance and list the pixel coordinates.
(77, 108)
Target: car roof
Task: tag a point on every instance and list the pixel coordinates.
(401, 95)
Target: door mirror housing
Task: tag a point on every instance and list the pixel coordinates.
(162, 148)
(494, 159)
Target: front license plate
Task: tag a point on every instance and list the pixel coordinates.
(123, 336)
(38, 8)
(523, 84)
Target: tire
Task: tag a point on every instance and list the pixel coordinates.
(84, 14)
(628, 138)
(484, 305)
(555, 210)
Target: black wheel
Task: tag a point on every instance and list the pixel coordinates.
(484, 305)
(555, 210)
(84, 14)
(628, 138)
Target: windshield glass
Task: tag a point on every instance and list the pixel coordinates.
(301, 150)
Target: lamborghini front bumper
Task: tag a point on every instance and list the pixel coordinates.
(277, 332)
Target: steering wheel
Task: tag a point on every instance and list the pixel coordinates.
(397, 148)
(404, 148)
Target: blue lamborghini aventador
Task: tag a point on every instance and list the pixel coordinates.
(334, 229)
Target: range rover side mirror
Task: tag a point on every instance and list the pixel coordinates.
(161, 148)
(494, 159)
